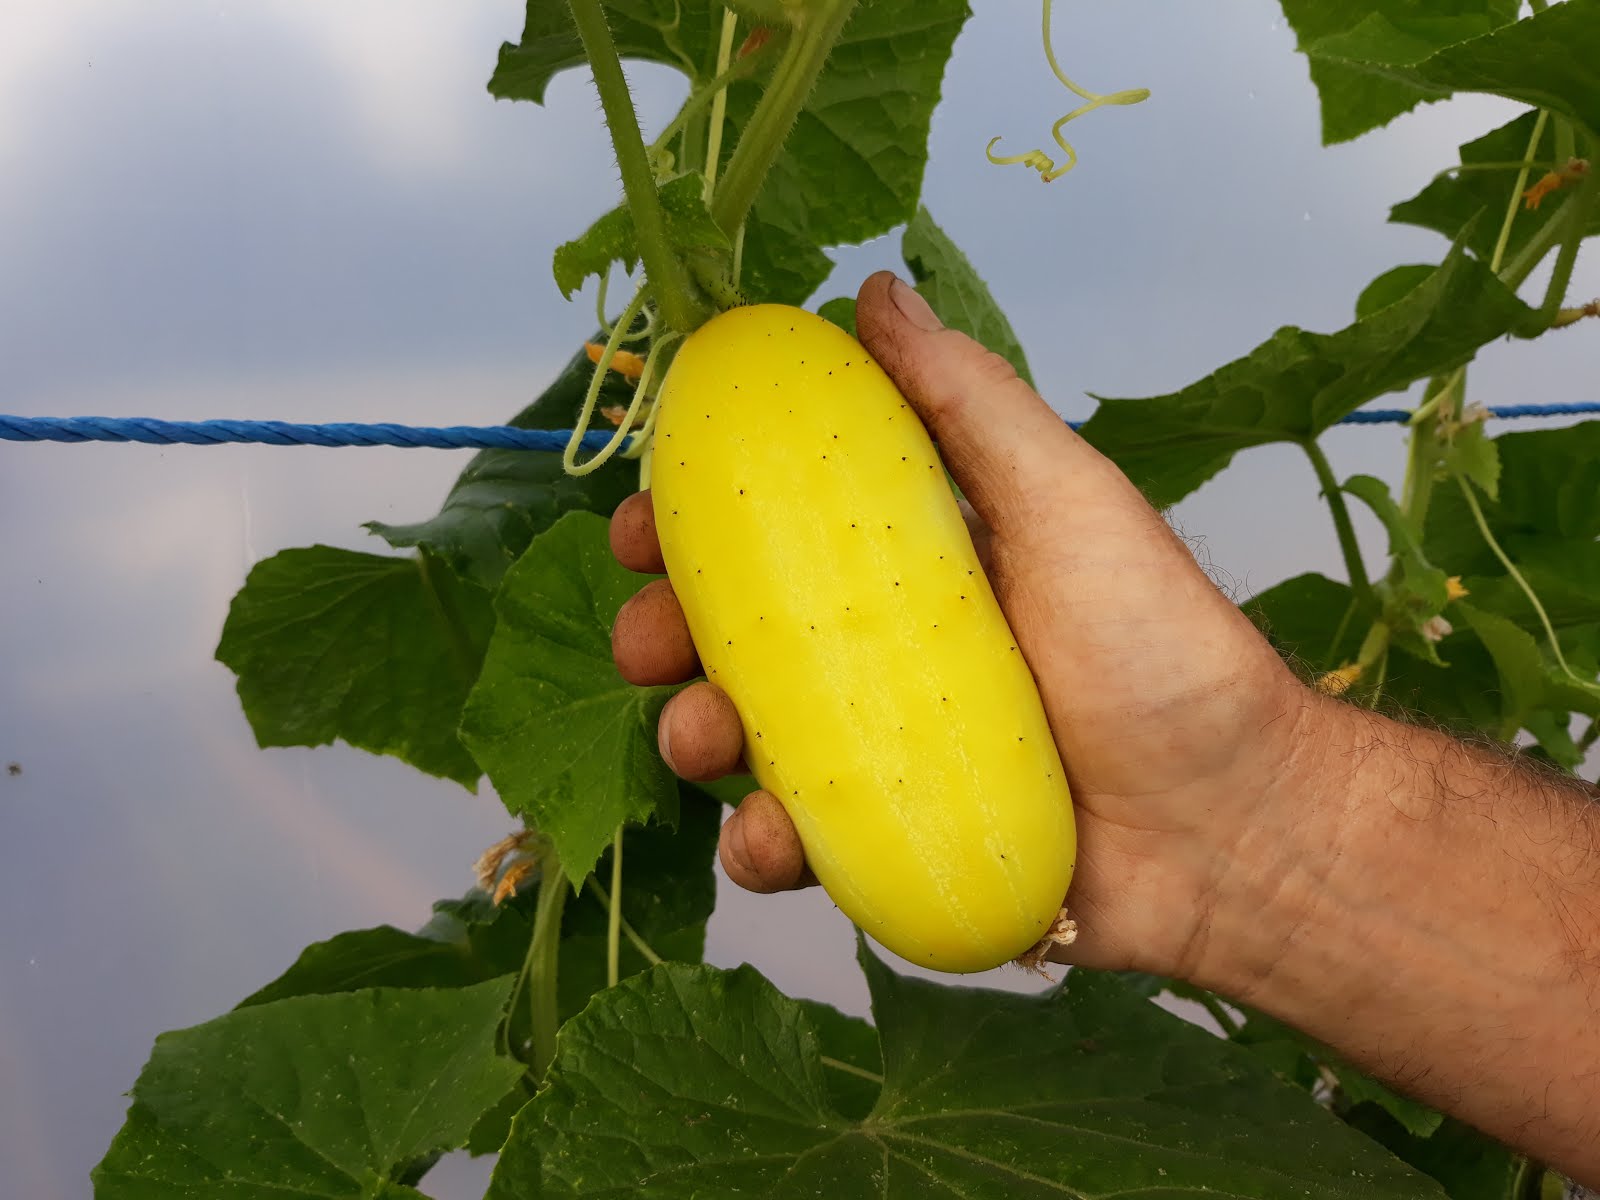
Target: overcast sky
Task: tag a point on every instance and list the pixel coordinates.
(302, 210)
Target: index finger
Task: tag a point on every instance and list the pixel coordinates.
(633, 536)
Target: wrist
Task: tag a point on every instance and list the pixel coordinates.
(1271, 873)
(1431, 911)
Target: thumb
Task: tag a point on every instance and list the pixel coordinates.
(1007, 449)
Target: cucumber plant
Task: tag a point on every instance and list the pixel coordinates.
(558, 1014)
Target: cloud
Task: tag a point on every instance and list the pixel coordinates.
(392, 68)
(395, 66)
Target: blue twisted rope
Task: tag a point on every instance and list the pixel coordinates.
(285, 433)
(459, 437)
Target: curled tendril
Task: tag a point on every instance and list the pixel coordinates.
(1038, 160)
(645, 330)
(569, 457)
(641, 392)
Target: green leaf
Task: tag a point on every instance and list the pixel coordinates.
(1553, 733)
(669, 891)
(668, 896)
(1297, 384)
(1354, 102)
(1549, 493)
(678, 33)
(689, 1081)
(1307, 1063)
(1469, 1165)
(1418, 593)
(1302, 616)
(1546, 60)
(1287, 1052)
(1374, 493)
(851, 168)
(1418, 1119)
(318, 1096)
(1451, 202)
(1565, 575)
(1462, 697)
(376, 650)
(1472, 454)
(449, 953)
(568, 743)
(957, 293)
(505, 498)
(1528, 683)
(1394, 284)
(854, 1043)
(841, 310)
(613, 239)
(1331, 34)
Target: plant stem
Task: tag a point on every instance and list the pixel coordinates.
(1374, 646)
(543, 961)
(646, 951)
(697, 101)
(1445, 395)
(1219, 1014)
(1527, 164)
(1516, 192)
(1527, 588)
(1577, 213)
(1360, 584)
(1328, 662)
(851, 1069)
(1378, 678)
(666, 274)
(719, 104)
(1515, 273)
(1529, 1181)
(769, 125)
(614, 914)
(1571, 316)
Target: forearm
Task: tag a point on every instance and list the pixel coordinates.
(1435, 918)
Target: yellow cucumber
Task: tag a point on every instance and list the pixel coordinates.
(834, 593)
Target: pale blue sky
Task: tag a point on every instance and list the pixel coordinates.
(302, 210)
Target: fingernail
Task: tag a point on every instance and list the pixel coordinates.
(913, 307)
(737, 849)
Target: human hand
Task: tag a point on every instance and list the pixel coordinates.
(1175, 720)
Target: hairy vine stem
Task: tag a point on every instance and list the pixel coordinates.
(667, 277)
(1360, 585)
(769, 125)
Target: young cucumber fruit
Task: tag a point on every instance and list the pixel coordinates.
(834, 593)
